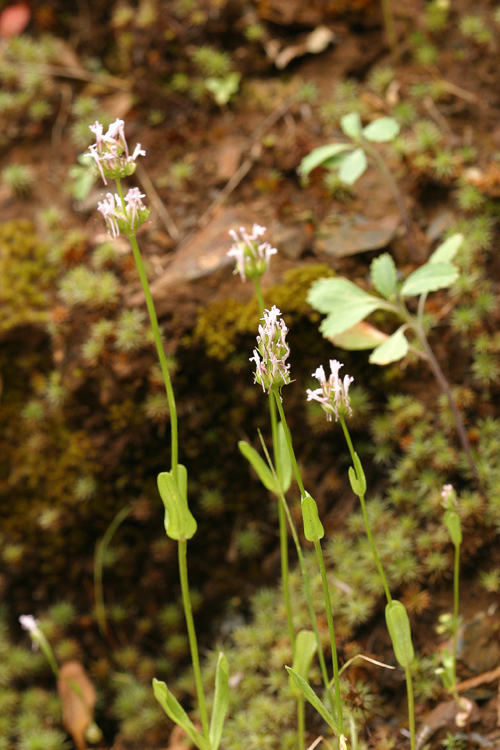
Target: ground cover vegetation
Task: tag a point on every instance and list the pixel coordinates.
(86, 423)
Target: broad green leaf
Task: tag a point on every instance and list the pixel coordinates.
(396, 347)
(174, 711)
(284, 467)
(360, 336)
(179, 521)
(313, 528)
(320, 155)
(351, 125)
(429, 278)
(353, 166)
(399, 629)
(313, 699)
(346, 315)
(447, 250)
(261, 468)
(334, 162)
(303, 653)
(221, 702)
(384, 275)
(326, 294)
(381, 130)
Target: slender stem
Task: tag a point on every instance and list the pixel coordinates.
(411, 707)
(445, 387)
(188, 612)
(387, 174)
(285, 578)
(456, 582)
(159, 344)
(329, 617)
(301, 721)
(289, 444)
(101, 547)
(390, 29)
(365, 517)
(307, 587)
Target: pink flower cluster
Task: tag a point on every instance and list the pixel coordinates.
(123, 218)
(270, 357)
(110, 151)
(333, 394)
(252, 257)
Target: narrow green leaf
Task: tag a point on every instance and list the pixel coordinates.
(319, 155)
(179, 521)
(260, 467)
(447, 250)
(313, 699)
(429, 278)
(452, 522)
(284, 468)
(351, 125)
(381, 130)
(304, 650)
(396, 347)
(360, 336)
(353, 166)
(221, 702)
(399, 629)
(313, 528)
(384, 275)
(355, 486)
(174, 711)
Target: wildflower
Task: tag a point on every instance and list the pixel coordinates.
(449, 497)
(333, 394)
(127, 217)
(252, 258)
(270, 357)
(29, 623)
(110, 151)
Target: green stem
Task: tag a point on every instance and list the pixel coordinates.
(101, 547)
(159, 344)
(301, 721)
(260, 298)
(186, 601)
(365, 517)
(411, 707)
(456, 582)
(288, 438)
(307, 587)
(329, 617)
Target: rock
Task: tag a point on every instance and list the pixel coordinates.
(358, 235)
(291, 241)
(228, 158)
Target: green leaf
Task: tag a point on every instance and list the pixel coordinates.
(384, 275)
(313, 528)
(284, 467)
(174, 711)
(360, 474)
(179, 521)
(221, 702)
(313, 699)
(382, 130)
(396, 347)
(320, 155)
(353, 166)
(360, 336)
(223, 89)
(399, 629)
(452, 523)
(351, 125)
(261, 468)
(429, 278)
(347, 314)
(447, 250)
(303, 653)
(325, 295)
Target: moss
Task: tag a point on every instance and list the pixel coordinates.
(27, 276)
(220, 324)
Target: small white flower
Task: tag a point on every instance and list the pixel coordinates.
(449, 497)
(333, 394)
(252, 258)
(28, 622)
(271, 371)
(110, 151)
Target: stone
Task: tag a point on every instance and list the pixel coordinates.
(357, 235)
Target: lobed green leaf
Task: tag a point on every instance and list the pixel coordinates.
(429, 278)
(396, 347)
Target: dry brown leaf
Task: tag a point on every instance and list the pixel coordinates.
(78, 699)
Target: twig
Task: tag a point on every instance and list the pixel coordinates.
(62, 116)
(82, 75)
(157, 202)
(480, 679)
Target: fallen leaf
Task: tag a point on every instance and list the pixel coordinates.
(78, 699)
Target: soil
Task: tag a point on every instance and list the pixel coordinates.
(244, 157)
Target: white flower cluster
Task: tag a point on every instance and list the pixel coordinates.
(124, 218)
(333, 394)
(270, 357)
(252, 257)
(110, 151)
